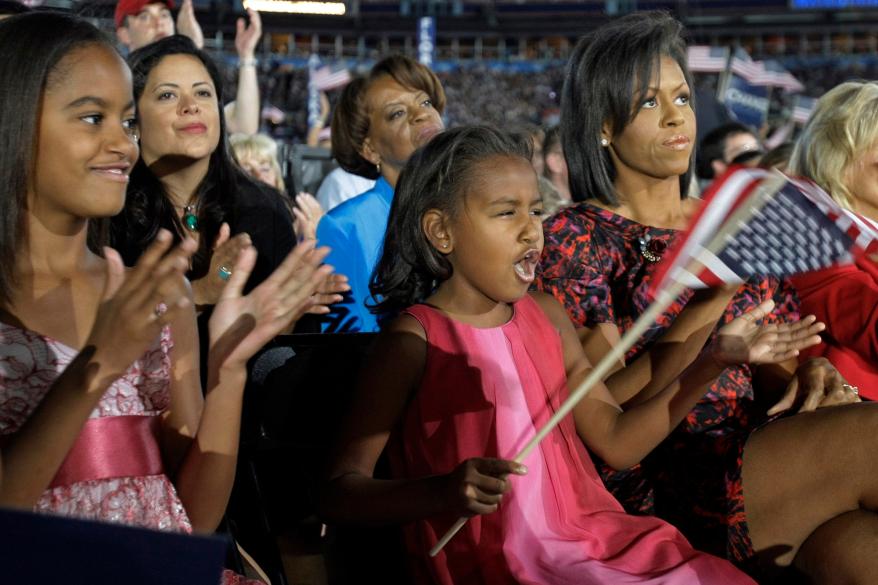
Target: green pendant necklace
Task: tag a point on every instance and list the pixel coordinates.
(190, 220)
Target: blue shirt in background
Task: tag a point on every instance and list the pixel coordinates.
(355, 232)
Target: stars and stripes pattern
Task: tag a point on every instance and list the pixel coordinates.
(775, 75)
(325, 79)
(763, 73)
(706, 59)
(758, 222)
(742, 65)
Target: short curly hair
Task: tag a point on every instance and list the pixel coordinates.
(350, 121)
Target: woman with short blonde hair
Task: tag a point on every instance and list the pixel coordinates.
(838, 150)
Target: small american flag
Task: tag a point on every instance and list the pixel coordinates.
(755, 221)
(705, 59)
(325, 78)
(741, 64)
(775, 75)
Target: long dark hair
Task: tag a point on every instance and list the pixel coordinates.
(148, 206)
(610, 70)
(32, 46)
(435, 177)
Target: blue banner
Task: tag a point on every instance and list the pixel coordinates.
(747, 103)
(313, 92)
(426, 40)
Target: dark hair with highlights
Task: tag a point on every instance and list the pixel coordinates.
(148, 207)
(608, 74)
(437, 176)
(32, 45)
(350, 120)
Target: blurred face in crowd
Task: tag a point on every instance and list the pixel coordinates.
(178, 111)
(658, 141)
(737, 144)
(86, 139)
(401, 120)
(152, 23)
(259, 169)
(861, 179)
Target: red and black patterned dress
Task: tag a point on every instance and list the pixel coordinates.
(596, 263)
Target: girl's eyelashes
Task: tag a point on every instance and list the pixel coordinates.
(649, 103)
(166, 95)
(128, 124)
(395, 114)
(205, 93)
(92, 119)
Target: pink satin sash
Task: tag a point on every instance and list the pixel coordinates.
(112, 446)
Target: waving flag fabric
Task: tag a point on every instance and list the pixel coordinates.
(763, 222)
(705, 59)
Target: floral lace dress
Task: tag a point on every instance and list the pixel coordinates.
(29, 364)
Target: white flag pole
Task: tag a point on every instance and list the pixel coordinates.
(753, 203)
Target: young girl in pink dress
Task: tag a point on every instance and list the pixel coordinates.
(475, 365)
(102, 414)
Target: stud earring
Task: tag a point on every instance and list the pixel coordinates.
(444, 244)
(604, 142)
(378, 167)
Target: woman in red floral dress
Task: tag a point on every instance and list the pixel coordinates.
(779, 495)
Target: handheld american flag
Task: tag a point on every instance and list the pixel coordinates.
(762, 222)
(752, 222)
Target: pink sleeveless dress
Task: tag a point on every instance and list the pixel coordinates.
(485, 393)
(29, 364)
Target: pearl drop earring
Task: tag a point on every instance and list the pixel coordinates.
(604, 142)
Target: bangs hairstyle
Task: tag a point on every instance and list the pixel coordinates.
(843, 126)
(437, 176)
(261, 148)
(32, 45)
(608, 76)
(148, 206)
(350, 120)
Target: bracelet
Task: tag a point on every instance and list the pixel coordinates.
(251, 62)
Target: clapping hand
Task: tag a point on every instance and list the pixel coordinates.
(137, 303)
(226, 250)
(308, 213)
(746, 341)
(240, 325)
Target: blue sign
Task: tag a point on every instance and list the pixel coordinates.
(747, 103)
(833, 3)
(426, 40)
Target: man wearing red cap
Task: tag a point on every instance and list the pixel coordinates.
(141, 22)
